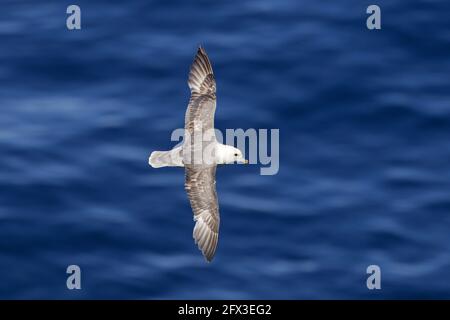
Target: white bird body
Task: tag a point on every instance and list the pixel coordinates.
(222, 154)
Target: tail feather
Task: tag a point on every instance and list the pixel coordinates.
(157, 159)
(172, 158)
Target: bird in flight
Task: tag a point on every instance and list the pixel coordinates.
(199, 154)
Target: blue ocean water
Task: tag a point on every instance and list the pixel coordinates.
(364, 119)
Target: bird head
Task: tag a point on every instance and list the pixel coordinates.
(231, 155)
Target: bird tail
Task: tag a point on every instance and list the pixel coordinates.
(172, 158)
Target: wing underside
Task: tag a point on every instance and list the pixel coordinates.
(200, 185)
(200, 182)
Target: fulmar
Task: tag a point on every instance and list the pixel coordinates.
(199, 154)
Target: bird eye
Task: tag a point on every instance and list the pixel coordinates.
(235, 154)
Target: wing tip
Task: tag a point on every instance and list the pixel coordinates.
(201, 72)
(205, 239)
(201, 49)
(209, 256)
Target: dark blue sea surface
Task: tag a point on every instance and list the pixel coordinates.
(364, 119)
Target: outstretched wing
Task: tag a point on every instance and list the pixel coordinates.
(200, 185)
(202, 104)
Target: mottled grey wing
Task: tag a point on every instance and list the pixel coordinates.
(202, 104)
(200, 185)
